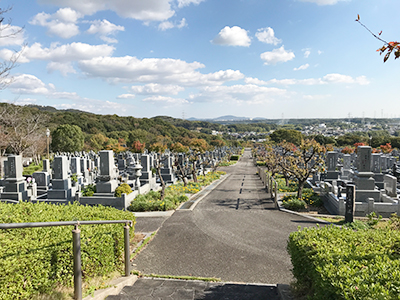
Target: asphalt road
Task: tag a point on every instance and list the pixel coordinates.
(235, 233)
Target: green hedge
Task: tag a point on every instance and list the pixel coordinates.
(334, 263)
(234, 157)
(34, 260)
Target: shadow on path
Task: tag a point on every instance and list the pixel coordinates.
(166, 289)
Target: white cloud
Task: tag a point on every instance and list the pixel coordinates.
(323, 2)
(62, 23)
(29, 84)
(104, 29)
(267, 35)
(307, 53)
(148, 10)
(11, 36)
(339, 78)
(333, 78)
(169, 25)
(98, 106)
(154, 70)
(156, 89)
(238, 93)
(232, 36)
(277, 55)
(182, 3)
(316, 97)
(302, 67)
(165, 100)
(126, 96)
(64, 68)
(65, 53)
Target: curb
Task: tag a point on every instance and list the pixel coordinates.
(147, 214)
(117, 285)
(285, 292)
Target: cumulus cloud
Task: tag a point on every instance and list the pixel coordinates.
(267, 35)
(98, 106)
(232, 36)
(238, 93)
(149, 10)
(31, 85)
(169, 25)
(302, 67)
(156, 89)
(63, 68)
(332, 78)
(62, 23)
(126, 96)
(150, 70)
(12, 36)
(276, 56)
(182, 3)
(323, 2)
(104, 29)
(63, 53)
(165, 100)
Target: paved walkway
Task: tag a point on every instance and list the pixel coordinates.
(234, 233)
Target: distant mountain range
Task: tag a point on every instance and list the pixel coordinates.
(228, 118)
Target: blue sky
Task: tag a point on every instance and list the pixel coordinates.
(204, 58)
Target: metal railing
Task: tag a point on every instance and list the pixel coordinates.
(76, 240)
(270, 184)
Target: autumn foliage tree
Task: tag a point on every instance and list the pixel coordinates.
(138, 147)
(388, 47)
(303, 161)
(386, 148)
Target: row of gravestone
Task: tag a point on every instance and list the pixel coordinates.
(370, 172)
(54, 182)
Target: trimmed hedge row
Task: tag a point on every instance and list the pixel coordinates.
(234, 157)
(34, 260)
(339, 263)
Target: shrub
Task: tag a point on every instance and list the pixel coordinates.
(293, 203)
(340, 263)
(89, 190)
(34, 260)
(174, 194)
(234, 157)
(122, 189)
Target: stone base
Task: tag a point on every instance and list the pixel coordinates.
(61, 184)
(17, 196)
(106, 187)
(365, 183)
(363, 195)
(332, 175)
(59, 194)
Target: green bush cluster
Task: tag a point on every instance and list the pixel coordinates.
(234, 157)
(174, 195)
(34, 260)
(293, 203)
(309, 198)
(227, 163)
(89, 190)
(152, 202)
(122, 189)
(283, 188)
(341, 263)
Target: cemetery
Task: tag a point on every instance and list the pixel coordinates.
(69, 176)
(374, 177)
